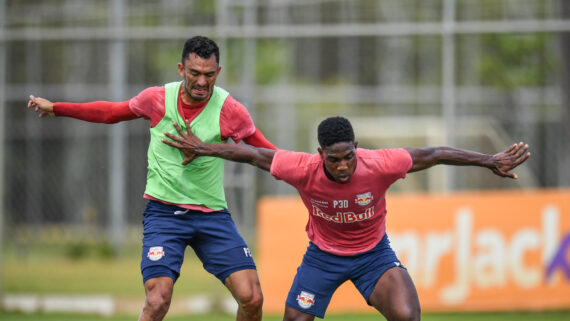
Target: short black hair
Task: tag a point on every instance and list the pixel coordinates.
(334, 130)
(202, 46)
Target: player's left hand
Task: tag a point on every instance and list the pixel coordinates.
(505, 161)
(41, 105)
(187, 142)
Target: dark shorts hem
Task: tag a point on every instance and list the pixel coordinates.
(296, 307)
(151, 272)
(224, 274)
(367, 295)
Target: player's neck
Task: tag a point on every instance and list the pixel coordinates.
(327, 174)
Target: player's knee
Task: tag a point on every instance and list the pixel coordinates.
(157, 304)
(406, 313)
(252, 302)
(158, 300)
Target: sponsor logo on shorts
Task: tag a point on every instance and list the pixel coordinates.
(155, 253)
(181, 212)
(306, 299)
(247, 252)
(364, 199)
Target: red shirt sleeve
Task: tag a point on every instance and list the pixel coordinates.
(235, 121)
(258, 140)
(293, 167)
(149, 104)
(391, 163)
(96, 111)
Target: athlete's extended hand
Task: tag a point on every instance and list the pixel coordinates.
(41, 105)
(187, 142)
(504, 162)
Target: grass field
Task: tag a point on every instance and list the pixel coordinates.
(505, 316)
(48, 270)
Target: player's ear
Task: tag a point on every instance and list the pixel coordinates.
(181, 69)
(355, 144)
(321, 153)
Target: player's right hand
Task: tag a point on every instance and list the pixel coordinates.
(504, 162)
(187, 142)
(41, 105)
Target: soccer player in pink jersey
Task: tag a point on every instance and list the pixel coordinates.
(186, 204)
(343, 188)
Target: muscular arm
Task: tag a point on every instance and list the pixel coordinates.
(501, 163)
(260, 157)
(193, 147)
(96, 112)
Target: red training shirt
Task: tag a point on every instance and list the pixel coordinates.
(344, 219)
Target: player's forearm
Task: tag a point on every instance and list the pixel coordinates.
(230, 152)
(96, 112)
(426, 157)
(460, 157)
(259, 157)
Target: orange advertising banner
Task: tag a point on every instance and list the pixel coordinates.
(493, 250)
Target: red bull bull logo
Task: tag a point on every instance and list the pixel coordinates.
(306, 299)
(155, 253)
(364, 199)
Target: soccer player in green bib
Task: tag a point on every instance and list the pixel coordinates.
(186, 203)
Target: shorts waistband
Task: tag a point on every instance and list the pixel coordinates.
(177, 210)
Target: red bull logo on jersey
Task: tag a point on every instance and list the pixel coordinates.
(305, 299)
(344, 217)
(364, 199)
(155, 253)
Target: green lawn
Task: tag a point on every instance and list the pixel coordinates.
(52, 270)
(506, 316)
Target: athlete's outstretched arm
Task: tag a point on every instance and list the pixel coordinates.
(95, 111)
(193, 147)
(501, 163)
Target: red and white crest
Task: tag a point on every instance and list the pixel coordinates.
(155, 253)
(364, 199)
(306, 299)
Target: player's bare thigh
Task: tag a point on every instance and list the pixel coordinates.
(395, 295)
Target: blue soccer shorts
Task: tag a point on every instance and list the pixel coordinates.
(321, 273)
(168, 229)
